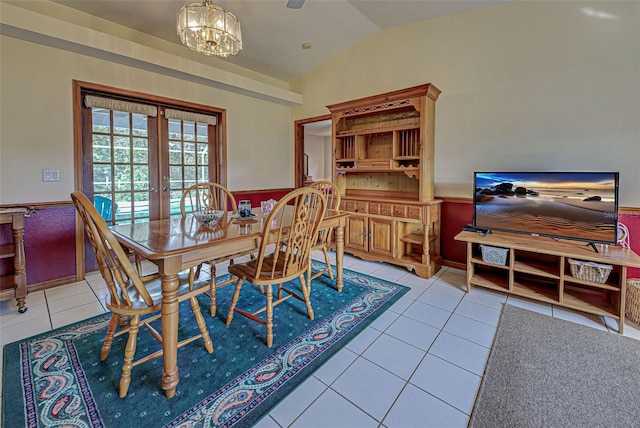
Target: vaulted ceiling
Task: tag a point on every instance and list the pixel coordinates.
(273, 34)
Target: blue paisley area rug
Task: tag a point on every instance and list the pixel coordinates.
(57, 378)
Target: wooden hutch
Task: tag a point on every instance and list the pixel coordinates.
(383, 158)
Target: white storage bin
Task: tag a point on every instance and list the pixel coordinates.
(494, 255)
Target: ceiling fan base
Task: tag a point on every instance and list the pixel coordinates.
(295, 4)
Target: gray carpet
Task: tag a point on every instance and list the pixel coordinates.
(547, 372)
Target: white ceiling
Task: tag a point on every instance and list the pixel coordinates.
(273, 34)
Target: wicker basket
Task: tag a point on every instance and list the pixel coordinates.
(632, 304)
(590, 271)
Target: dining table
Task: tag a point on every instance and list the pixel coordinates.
(175, 244)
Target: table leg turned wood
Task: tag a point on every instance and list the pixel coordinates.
(339, 256)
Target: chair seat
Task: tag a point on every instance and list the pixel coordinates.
(248, 269)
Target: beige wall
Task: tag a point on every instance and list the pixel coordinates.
(37, 121)
(36, 108)
(525, 86)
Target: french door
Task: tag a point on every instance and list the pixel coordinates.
(139, 156)
(139, 152)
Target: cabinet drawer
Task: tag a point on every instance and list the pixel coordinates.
(374, 208)
(386, 209)
(373, 164)
(362, 207)
(400, 211)
(347, 205)
(414, 212)
(354, 206)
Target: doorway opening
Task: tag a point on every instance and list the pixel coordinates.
(313, 150)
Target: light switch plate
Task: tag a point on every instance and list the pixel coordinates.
(50, 175)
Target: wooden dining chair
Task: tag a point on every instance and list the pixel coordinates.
(283, 255)
(210, 196)
(130, 295)
(332, 196)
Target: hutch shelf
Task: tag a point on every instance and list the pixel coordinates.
(383, 151)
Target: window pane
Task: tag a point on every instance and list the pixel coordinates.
(121, 123)
(203, 174)
(122, 177)
(175, 176)
(189, 130)
(176, 196)
(140, 127)
(203, 132)
(141, 204)
(189, 174)
(140, 150)
(100, 120)
(121, 149)
(102, 178)
(101, 148)
(124, 205)
(175, 153)
(203, 155)
(141, 177)
(189, 154)
(175, 132)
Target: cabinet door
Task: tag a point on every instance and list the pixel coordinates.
(383, 236)
(356, 233)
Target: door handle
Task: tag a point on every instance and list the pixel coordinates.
(164, 189)
(153, 189)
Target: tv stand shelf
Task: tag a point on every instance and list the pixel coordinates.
(538, 268)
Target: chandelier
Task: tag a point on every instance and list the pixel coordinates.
(209, 29)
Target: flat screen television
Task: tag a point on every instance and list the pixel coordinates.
(564, 205)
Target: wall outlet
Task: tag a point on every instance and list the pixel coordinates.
(50, 175)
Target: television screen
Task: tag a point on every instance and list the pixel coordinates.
(566, 205)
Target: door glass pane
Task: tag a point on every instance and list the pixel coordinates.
(102, 180)
(175, 153)
(121, 123)
(122, 149)
(140, 150)
(140, 127)
(101, 148)
(122, 175)
(188, 131)
(140, 177)
(101, 120)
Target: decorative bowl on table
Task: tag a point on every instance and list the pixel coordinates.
(209, 218)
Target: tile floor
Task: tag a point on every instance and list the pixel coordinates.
(418, 365)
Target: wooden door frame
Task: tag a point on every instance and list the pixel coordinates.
(298, 126)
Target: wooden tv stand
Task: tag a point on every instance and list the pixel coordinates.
(538, 268)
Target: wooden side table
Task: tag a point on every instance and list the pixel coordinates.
(14, 285)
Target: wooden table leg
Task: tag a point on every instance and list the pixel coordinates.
(339, 255)
(170, 317)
